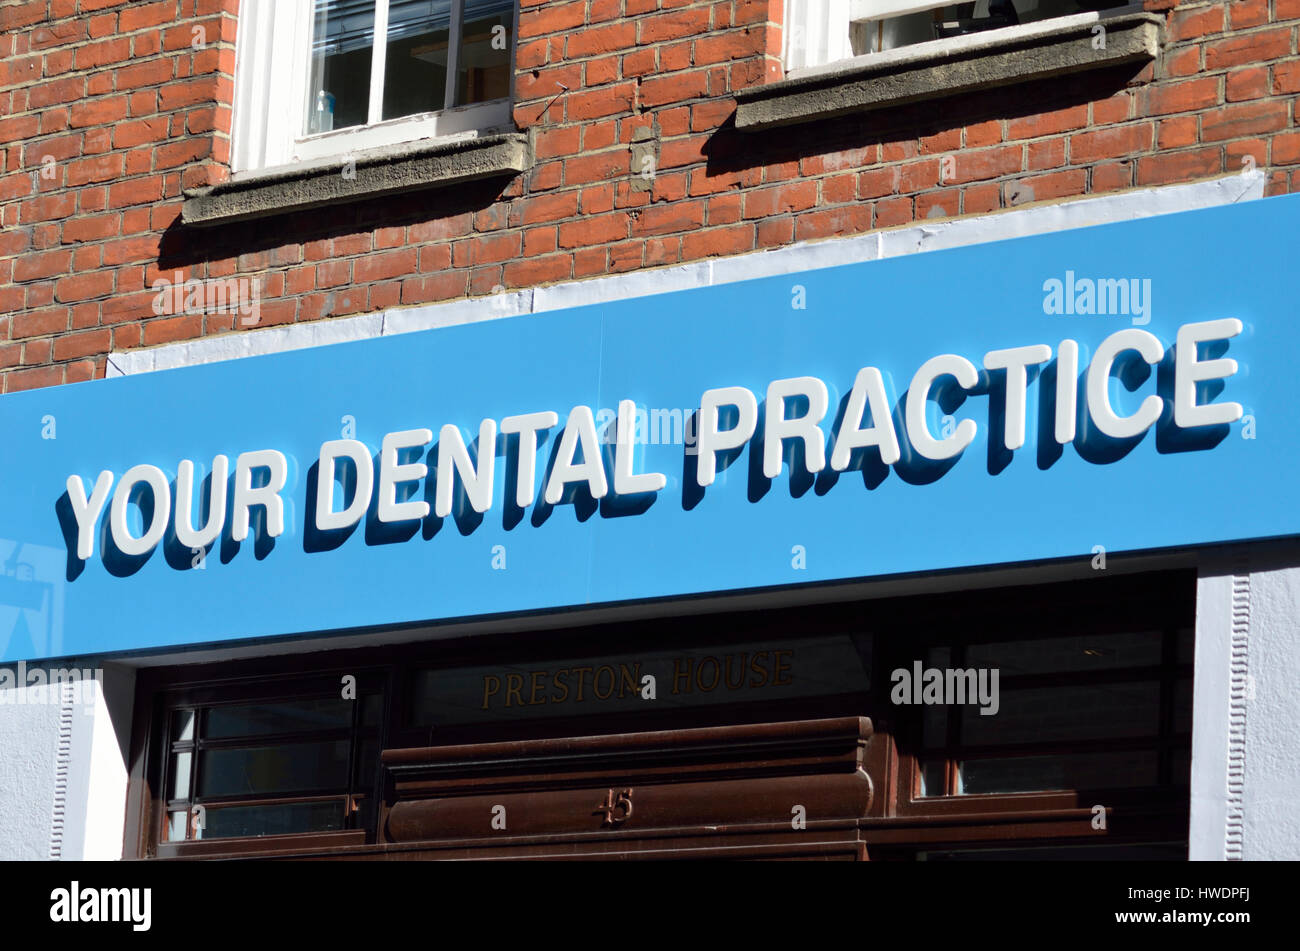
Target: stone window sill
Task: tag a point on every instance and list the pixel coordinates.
(378, 172)
(948, 67)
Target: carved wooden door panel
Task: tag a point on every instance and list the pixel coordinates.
(774, 790)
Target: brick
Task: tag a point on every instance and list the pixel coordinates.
(718, 241)
(1286, 78)
(837, 190)
(1185, 62)
(597, 41)
(944, 203)
(18, 380)
(139, 191)
(534, 271)
(433, 287)
(672, 26)
(918, 176)
(81, 287)
(137, 16)
(738, 44)
(677, 87)
(85, 344)
(1063, 184)
(553, 18)
(1110, 143)
(597, 168)
(1114, 109)
(640, 63)
(981, 199)
(670, 218)
(1048, 123)
(34, 267)
(593, 230)
(39, 323)
(550, 207)
(601, 71)
(1250, 48)
(1250, 83)
(838, 161)
(1177, 132)
(1178, 166)
(171, 329)
(97, 112)
(1244, 14)
(1249, 118)
(53, 93)
(380, 267)
(1188, 96)
(596, 200)
(148, 73)
(850, 219)
(606, 101)
(945, 141)
(1199, 21)
(1046, 153)
(983, 133)
(1247, 153)
(101, 168)
(877, 183)
(989, 163)
(1286, 149)
(590, 261)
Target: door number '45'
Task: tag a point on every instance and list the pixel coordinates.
(615, 809)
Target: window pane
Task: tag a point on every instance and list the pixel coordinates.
(263, 770)
(484, 64)
(736, 673)
(1061, 654)
(963, 19)
(415, 67)
(180, 773)
(290, 717)
(1087, 711)
(343, 40)
(282, 819)
(932, 778)
(176, 826)
(1064, 771)
(182, 726)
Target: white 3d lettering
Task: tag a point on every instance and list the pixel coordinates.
(728, 419)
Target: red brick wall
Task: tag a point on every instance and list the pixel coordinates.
(131, 113)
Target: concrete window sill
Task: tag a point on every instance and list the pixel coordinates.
(378, 172)
(948, 67)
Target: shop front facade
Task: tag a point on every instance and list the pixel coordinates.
(647, 429)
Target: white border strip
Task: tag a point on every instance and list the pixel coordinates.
(931, 236)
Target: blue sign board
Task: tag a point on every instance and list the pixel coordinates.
(1119, 388)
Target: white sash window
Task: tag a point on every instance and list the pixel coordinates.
(818, 32)
(317, 79)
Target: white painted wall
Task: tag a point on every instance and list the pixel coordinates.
(1271, 790)
(29, 739)
(63, 773)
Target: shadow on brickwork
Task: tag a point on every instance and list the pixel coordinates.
(731, 151)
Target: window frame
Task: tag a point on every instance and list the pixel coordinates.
(833, 32)
(898, 825)
(272, 91)
(204, 694)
